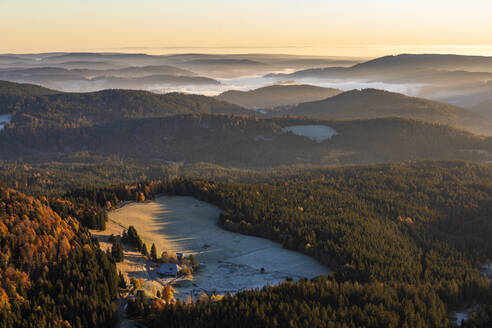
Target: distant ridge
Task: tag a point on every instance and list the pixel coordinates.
(250, 142)
(398, 66)
(23, 89)
(277, 95)
(373, 103)
(62, 110)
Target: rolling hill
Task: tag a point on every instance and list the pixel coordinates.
(277, 95)
(76, 80)
(410, 62)
(151, 82)
(372, 103)
(68, 110)
(484, 109)
(12, 95)
(224, 67)
(405, 67)
(248, 141)
(132, 72)
(23, 89)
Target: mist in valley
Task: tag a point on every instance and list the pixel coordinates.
(463, 81)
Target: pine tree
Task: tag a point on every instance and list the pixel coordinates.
(121, 281)
(117, 251)
(153, 253)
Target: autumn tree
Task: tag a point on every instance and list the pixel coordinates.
(167, 293)
(135, 284)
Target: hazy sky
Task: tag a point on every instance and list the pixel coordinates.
(63, 25)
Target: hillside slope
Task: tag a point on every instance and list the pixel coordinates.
(86, 109)
(372, 103)
(46, 261)
(404, 66)
(484, 109)
(13, 94)
(277, 95)
(23, 89)
(243, 141)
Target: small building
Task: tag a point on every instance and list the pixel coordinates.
(180, 256)
(169, 269)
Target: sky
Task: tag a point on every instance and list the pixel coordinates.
(317, 27)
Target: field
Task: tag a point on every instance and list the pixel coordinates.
(229, 261)
(317, 133)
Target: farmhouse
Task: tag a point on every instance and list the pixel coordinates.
(169, 269)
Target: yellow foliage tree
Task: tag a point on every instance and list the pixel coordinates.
(135, 283)
(203, 298)
(167, 293)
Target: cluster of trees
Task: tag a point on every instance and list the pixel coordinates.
(322, 302)
(86, 172)
(88, 215)
(52, 272)
(132, 238)
(117, 251)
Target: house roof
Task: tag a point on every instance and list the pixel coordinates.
(168, 268)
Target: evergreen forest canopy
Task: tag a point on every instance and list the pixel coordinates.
(406, 242)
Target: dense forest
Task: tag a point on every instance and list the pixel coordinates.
(69, 110)
(373, 103)
(406, 242)
(53, 273)
(247, 141)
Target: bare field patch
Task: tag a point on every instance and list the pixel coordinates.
(230, 261)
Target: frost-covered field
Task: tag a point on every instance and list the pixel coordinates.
(317, 133)
(231, 261)
(4, 120)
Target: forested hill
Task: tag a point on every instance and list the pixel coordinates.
(277, 95)
(250, 142)
(23, 89)
(65, 110)
(12, 95)
(51, 272)
(418, 62)
(372, 103)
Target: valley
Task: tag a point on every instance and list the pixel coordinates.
(271, 190)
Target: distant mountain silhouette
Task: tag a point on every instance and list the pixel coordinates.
(137, 71)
